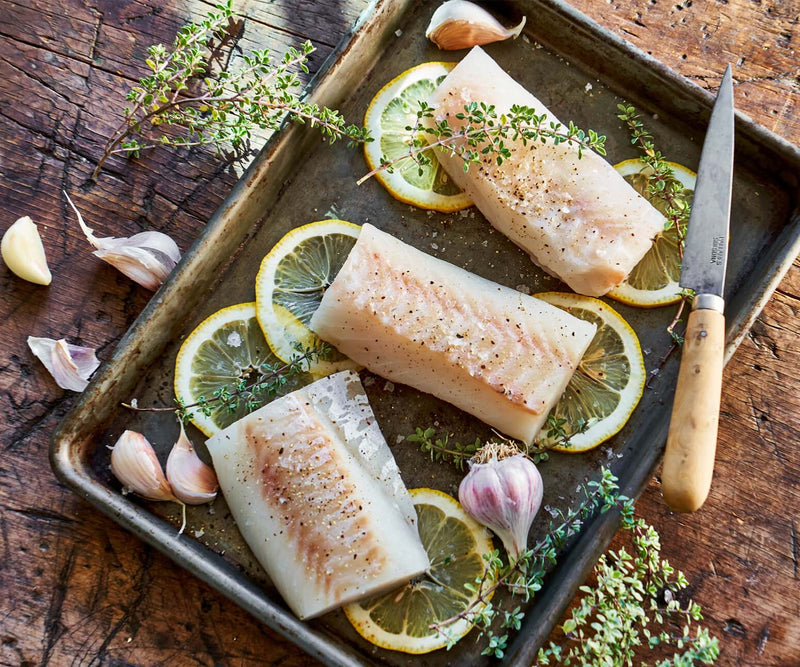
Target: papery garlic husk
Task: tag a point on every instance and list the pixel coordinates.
(70, 365)
(147, 257)
(503, 494)
(135, 464)
(192, 481)
(23, 252)
(459, 24)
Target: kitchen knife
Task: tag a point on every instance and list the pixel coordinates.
(692, 440)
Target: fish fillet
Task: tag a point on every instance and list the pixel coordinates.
(576, 217)
(496, 353)
(317, 495)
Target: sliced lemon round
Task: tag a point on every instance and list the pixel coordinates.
(225, 349)
(290, 283)
(401, 620)
(389, 118)
(654, 280)
(608, 382)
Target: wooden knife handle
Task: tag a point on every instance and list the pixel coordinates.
(692, 439)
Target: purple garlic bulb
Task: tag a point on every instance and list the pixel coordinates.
(503, 494)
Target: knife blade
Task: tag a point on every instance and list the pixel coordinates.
(692, 439)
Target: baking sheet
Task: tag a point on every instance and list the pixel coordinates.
(580, 72)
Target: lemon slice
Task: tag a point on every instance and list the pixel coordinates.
(608, 382)
(389, 116)
(400, 620)
(226, 348)
(654, 280)
(290, 283)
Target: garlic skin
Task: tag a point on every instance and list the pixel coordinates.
(70, 365)
(23, 252)
(147, 257)
(504, 495)
(459, 24)
(192, 481)
(135, 464)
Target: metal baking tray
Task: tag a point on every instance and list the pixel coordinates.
(296, 179)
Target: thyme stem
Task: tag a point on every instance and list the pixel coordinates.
(485, 132)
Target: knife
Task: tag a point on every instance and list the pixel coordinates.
(692, 439)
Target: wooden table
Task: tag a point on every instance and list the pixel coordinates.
(74, 588)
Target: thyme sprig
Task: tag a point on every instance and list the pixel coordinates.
(219, 108)
(635, 601)
(662, 184)
(256, 384)
(483, 131)
(667, 191)
(441, 449)
(525, 577)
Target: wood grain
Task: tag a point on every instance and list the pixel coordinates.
(692, 440)
(79, 590)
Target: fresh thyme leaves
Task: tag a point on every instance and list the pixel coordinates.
(662, 183)
(485, 132)
(662, 187)
(634, 594)
(220, 108)
(268, 382)
(634, 602)
(524, 578)
(441, 449)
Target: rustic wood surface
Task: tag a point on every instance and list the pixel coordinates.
(75, 589)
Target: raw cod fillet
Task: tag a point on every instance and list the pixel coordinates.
(577, 218)
(317, 495)
(493, 352)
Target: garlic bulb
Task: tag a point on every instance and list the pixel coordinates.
(23, 252)
(135, 464)
(192, 481)
(503, 494)
(458, 24)
(147, 257)
(70, 365)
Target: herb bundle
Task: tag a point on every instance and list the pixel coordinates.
(222, 108)
(635, 601)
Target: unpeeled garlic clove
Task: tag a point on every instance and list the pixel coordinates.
(459, 24)
(192, 481)
(135, 464)
(147, 257)
(70, 365)
(503, 494)
(23, 252)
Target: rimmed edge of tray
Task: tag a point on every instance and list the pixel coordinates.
(225, 232)
(196, 272)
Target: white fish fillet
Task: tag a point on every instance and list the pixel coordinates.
(496, 353)
(318, 497)
(577, 218)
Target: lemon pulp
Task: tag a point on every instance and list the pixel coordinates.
(225, 349)
(654, 280)
(401, 619)
(291, 282)
(389, 117)
(609, 379)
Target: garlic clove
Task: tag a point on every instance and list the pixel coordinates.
(23, 252)
(192, 481)
(135, 464)
(147, 257)
(459, 24)
(70, 365)
(504, 495)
